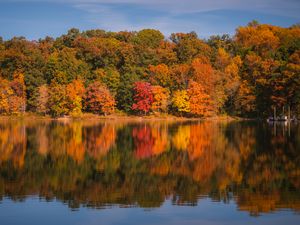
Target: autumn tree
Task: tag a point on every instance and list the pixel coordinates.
(42, 100)
(180, 75)
(160, 75)
(143, 97)
(160, 99)
(99, 51)
(203, 73)
(166, 53)
(17, 100)
(75, 91)
(199, 101)
(229, 77)
(258, 37)
(98, 99)
(13, 95)
(5, 93)
(180, 102)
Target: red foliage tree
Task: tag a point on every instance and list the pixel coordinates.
(143, 97)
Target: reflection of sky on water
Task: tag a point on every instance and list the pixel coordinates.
(35, 211)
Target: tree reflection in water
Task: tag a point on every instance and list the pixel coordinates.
(98, 164)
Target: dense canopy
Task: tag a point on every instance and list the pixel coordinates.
(246, 75)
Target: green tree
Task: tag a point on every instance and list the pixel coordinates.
(63, 67)
(125, 92)
(58, 104)
(110, 77)
(188, 46)
(149, 38)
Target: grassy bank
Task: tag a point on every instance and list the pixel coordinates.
(119, 116)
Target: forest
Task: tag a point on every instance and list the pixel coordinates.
(141, 73)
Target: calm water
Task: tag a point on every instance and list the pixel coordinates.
(149, 173)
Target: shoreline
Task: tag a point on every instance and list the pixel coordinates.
(129, 118)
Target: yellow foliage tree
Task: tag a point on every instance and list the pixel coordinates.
(180, 101)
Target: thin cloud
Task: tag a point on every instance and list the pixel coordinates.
(109, 18)
(289, 8)
(203, 16)
(172, 16)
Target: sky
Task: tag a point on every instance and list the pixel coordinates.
(36, 19)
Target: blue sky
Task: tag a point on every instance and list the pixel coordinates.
(35, 19)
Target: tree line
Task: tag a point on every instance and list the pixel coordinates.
(247, 75)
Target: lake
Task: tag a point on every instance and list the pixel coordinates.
(155, 172)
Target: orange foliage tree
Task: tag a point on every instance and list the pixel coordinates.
(203, 73)
(261, 38)
(160, 99)
(160, 75)
(229, 77)
(5, 93)
(180, 75)
(200, 103)
(98, 99)
(75, 92)
(17, 100)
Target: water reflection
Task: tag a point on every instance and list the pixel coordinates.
(98, 164)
